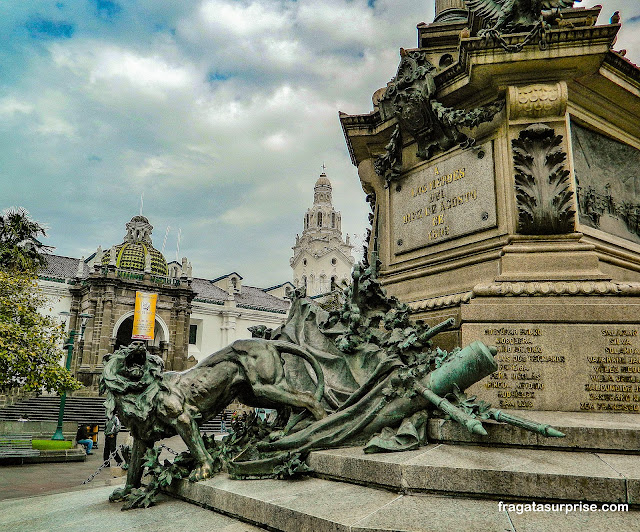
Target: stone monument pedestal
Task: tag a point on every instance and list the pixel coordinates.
(502, 176)
(566, 334)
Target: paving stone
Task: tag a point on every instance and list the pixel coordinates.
(297, 506)
(629, 467)
(91, 510)
(495, 471)
(576, 521)
(432, 513)
(353, 464)
(329, 506)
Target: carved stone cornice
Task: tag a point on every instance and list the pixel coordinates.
(556, 288)
(625, 67)
(567, 38)
(452, 300)
(540, 100)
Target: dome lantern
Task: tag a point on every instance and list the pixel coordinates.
(322, 190)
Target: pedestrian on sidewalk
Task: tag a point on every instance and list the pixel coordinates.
(111, 429)
(83, 437)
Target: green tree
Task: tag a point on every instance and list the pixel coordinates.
(20, 247)
(30, 343)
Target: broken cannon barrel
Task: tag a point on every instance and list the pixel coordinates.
(464, 368)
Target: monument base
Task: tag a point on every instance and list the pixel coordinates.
(442, 486)
(565, 345)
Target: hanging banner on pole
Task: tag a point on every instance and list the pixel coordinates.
(144, 317)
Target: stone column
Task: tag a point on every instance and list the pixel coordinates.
(105, 330)
(228, 328)
(545, 246)
(92, 332)
(181, 337)
(73, 321)
(450, 10)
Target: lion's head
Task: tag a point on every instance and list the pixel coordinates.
(131, 376)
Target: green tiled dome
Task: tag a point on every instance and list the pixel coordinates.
(131, 256)
(132, 253)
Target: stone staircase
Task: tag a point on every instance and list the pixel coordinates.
(46, 408)
(454, 483)
(78, 409)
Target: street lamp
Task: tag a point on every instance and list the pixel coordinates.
(69, 345)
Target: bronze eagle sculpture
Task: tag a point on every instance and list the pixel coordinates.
(509, 16)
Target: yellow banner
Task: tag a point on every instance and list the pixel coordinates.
(144, 317)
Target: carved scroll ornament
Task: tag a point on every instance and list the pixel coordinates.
(537, 101)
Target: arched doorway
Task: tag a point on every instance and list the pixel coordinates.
(124, 329)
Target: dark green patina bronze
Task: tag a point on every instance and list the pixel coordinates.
(510, 16)
(410, 98)
(364, 374)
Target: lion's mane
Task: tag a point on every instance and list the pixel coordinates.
(136, 397)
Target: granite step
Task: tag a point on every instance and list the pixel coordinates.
(482, 471)
(320, 505)
(618, 433)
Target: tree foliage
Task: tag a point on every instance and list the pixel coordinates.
(20, 247)
(30, 343)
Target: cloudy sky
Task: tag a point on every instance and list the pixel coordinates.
(221, 111)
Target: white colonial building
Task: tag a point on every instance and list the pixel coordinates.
(321, 259)
(194, 316)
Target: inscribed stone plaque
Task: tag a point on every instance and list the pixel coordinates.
(608, 183)
(443, 201)
(567, 367)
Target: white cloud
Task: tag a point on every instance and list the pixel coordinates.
(221, 111)
(53, 125)
(146, 72)
(278, 142)
(99, 63)
(12, 106)
(242, 19)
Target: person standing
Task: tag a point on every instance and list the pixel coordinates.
(111, 429)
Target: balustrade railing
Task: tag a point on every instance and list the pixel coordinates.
(140, 276)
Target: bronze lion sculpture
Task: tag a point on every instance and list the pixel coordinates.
(156, 404)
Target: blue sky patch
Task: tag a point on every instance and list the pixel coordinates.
(212, 77)
(41, 28)
(107, 9)
(160, 27)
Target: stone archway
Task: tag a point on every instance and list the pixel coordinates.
(124, 327)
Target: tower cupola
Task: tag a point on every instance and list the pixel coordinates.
(321, 258)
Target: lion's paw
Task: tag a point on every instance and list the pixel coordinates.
(203, 471)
